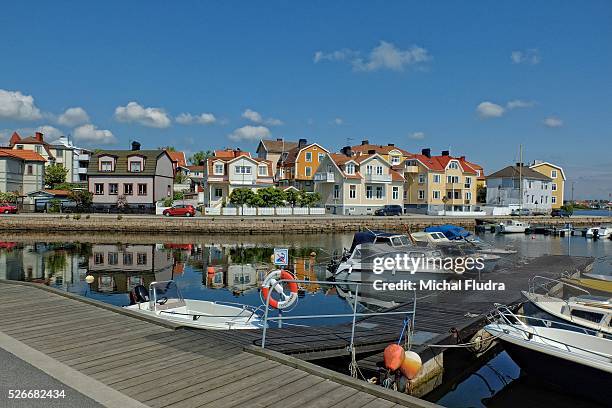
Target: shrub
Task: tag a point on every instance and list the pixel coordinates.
(76, 216)
(119, 217)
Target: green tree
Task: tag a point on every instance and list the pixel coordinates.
(569, 207)
(309, 199)
(241, 196)
(292, 197)
(82, 198)
(200, 156)
(8, 197)
(55, 174)
(481, 194)
(271, 196)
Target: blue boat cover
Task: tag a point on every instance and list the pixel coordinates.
(368, 237)
(450, 231)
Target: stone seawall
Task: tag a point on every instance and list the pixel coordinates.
(247, 225)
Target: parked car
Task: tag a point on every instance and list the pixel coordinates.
(521, 212)
(180, 210)
(389, 210)
(6, 208)
(559, 212)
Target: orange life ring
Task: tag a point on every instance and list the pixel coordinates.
(271, 281)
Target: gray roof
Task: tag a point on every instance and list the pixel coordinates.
(121, 169)
(514, 173)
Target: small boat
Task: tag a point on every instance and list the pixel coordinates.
(576, 361)
(512, 227)
(163, 300)
(599, 232)
(429, 237)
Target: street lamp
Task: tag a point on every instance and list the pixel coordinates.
(89, 279)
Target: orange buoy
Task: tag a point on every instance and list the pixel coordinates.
(210, 270)
(393, 356)
(411, 365)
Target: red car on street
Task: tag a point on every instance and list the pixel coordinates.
(7, 208)
(180, 210)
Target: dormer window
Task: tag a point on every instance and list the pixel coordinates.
(106, 165)
(350, 168)
(218, 169)
(135, 166)
(395, 160)
(263, 170)
(453, 165)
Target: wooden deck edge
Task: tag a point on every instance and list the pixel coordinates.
(375, 390)
(97, 303)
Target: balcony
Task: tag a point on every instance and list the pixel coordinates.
(454, 186)
(411, 169)
(82, 170)
(377, 178)
(327, 177)
(83, 157)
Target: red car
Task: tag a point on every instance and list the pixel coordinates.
(7, 209)
(180, 210)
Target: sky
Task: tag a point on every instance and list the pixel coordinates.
(479, 78)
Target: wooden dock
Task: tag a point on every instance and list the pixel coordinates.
(161, 365)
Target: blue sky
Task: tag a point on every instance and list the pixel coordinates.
(478, 77)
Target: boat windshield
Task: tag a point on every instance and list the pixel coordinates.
(165, 295)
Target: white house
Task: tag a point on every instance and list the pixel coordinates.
(504, 188)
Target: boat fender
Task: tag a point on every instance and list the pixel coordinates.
(411, 365)
(141, 294)
(271, 282)
(393, 356)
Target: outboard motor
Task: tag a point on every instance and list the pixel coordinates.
(595, 233)
(139, 294)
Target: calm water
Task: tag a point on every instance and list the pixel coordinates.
(231, 268)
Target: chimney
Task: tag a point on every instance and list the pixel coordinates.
(445, 152)
(302, 143)
(38, 136)
(391, 144)
(372, 151)
(365, 142)
(347, 151)
(279, 139)
(135, 146)
(462, 158)
(518, 164)
(426, 152)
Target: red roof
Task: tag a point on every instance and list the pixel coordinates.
(178, 158)
(14, 138)
(64, 193)
(439, 163)
(27, 155)
(381, 149)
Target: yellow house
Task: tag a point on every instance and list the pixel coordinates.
(389, 152)
(297, 169)
(557, 175)
(439, 184)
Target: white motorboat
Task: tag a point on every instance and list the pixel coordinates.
(586, 310)
(429, 237)
(574, 360)
(163, 300)
(599, 232)
(512, 227)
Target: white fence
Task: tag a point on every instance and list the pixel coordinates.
(250, 211)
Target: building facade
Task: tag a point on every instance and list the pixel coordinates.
(389, 152)
(505, 187)
(274, 151)
(74, 159)
(557, 176)
(21, 171)
(300, 165)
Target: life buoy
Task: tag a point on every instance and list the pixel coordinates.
(271, 281)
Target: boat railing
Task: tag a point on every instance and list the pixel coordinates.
(408, 314)
(547, 284)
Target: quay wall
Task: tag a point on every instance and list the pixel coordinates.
(249, 225)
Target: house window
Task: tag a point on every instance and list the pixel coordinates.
(98, 189)
(421, 194)
(128, 189)
(219, 169)
(468, 195)
(369, 192)
(336, 191)
(142, 189)
(395, 159)
(128, 258)
(321, 156)
(435, 194)
(554, 186)
(553, 199)
(113, 258)
(30, 169)
(553, 174)
(350, 168)
(98, 258)
(529, 184)
(395, 193)
(243, 170)
(38, 149)
(436, 178)
(218, 192)
(135, 166)
(19, 147)
(263, 170)
(308, 171)
(421, 178)
(453, 165)
(468, 182)
(352, 191)
(380, 192)
(308, 157)
(369, 169)
(379, 170)
(141, 258)
(106, 165)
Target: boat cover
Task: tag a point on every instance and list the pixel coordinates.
(368, 237)
(450, 231)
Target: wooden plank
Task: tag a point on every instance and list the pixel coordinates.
(307, 397)
(281, 393)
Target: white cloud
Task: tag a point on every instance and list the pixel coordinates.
(17, 106)
(201, 119)
(73, 117)
(552, 122)
(384, 56)
(489, 110)
(134, 112)
(256, 117)
(90, 133)
(51, 133)
(530, 56)
(417, 136)
(249, 133)
(517, 103)
(338, 121)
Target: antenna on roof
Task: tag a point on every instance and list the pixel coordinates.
(348, 141)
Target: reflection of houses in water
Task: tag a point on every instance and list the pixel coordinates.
(304, 269)
(118, 268)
